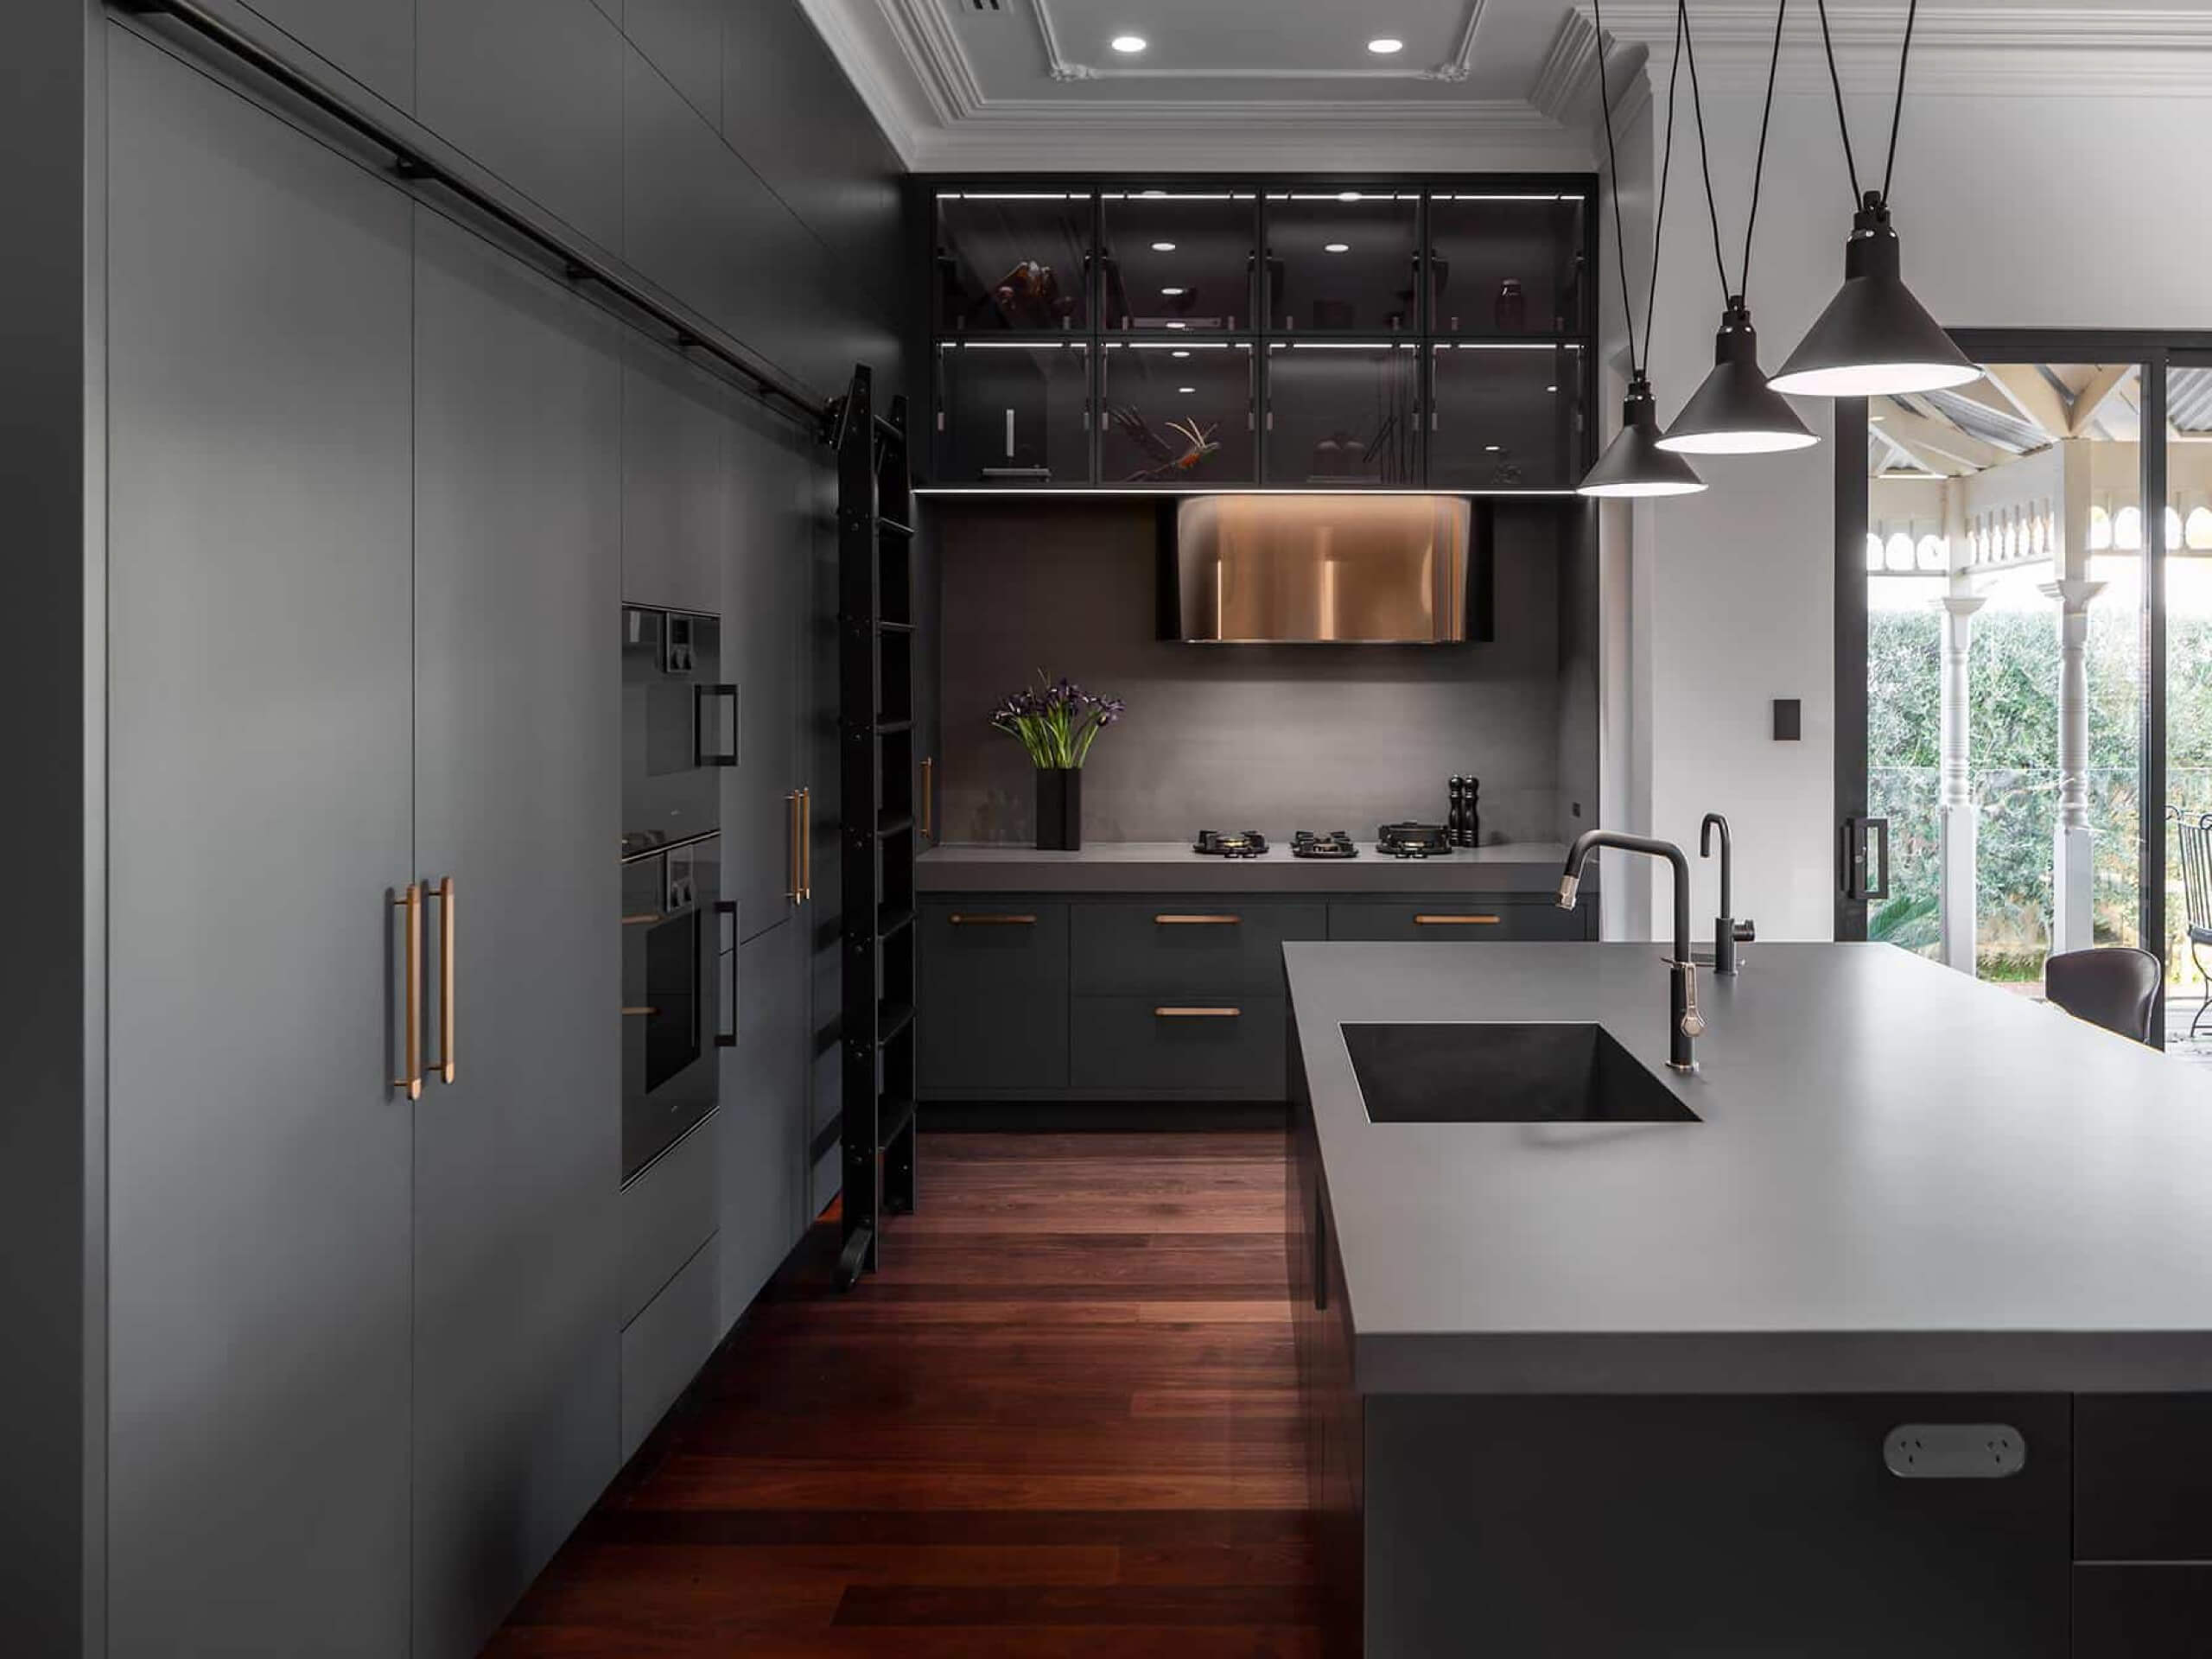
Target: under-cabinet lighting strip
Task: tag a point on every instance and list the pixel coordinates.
(1506, 346)
(1505, 198)
(1346, 196)
(1176, 195)
(1340, 346)
(1013, 196)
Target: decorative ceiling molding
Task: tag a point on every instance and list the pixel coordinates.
(1984, 51)
(1453, 70)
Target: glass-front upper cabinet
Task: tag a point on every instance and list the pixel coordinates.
(1343, 416)
(1179, 416)
(1014, 262)
(1011, 414)
(1506, 417)
(1342, 261)
(1501, 265)
(1178, 260)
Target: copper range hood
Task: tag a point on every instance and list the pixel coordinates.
(1317, 570)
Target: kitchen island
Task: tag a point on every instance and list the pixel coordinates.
(1600, 1387)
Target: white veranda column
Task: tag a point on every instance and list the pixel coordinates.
(1955, 809)
(2071, 871)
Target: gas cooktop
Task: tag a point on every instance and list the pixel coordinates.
(1231, 844)
(1413, 839)
(1336, 844)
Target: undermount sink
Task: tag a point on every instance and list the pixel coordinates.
(1447, 1073)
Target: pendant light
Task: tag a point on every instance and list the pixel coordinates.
(1734, 411)
(1875, 339)
(1633, 463)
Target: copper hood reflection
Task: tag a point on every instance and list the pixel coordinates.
(1317, 570)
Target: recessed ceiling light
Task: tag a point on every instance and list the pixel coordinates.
(1163, 247)
(1186, 388)
(1551, 388)
(1382, 46)
(1490, 449)
(1179, 354)
(1173, 293)
(1337, 247)
(1176, 325)
(1128, 45)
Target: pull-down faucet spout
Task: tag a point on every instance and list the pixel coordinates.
(1684, 1022)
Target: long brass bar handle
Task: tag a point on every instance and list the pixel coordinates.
(640, 1014)
(1198, 1013)
(790, 860)
(806, 846)
(1456, 921)
(409, 901)
(960, 918)
(443, 1065)
(928, 795)
(1198, 921)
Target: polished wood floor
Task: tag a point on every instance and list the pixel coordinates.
(1060, 1423)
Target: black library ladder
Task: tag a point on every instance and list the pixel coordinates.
(875, 681)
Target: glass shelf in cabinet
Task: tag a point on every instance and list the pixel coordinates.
(1342, 261)
(1505, 417)
(1176, 415)
(1013, 261)
(1178, 260)
(1342, 415)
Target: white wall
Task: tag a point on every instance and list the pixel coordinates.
(2031, 212)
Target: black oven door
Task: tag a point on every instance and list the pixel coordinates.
(673, 974)
(679, 726)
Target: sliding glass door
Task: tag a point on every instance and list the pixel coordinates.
(2002, 667)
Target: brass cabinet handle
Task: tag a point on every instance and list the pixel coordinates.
(443, 1065)
(929, 785)
(1198, 921)
(644, 918)
(410, 902)
(638, 1013)
(960, 919)
(790, 862)
(1198, 1013)
(806, 846)
(1456, 921)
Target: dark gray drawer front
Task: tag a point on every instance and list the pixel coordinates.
(993, 1009)
(1193, 944)
(1151, 1044)
(1456, 921)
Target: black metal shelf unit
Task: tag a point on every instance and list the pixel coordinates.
(875, 678)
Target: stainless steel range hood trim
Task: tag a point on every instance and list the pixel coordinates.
(1322, 569)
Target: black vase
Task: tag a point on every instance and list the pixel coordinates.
(1060, 810)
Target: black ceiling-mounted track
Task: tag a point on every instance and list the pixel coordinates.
(419, 158)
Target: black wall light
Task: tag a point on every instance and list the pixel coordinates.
(1875, 338)
(1734, 411)
(1634, 464)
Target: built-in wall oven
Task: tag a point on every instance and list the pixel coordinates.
(679, 936)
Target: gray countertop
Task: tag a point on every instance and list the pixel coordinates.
(1903, 1181)
(1171, 867)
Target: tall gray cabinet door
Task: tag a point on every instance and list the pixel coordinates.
(259, 819)
(517, 599)
(675, 502)
(772, 471)
(763, 1140)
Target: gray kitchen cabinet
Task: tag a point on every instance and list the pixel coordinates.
(682, 39)
(676, 489)
(992, 1014)
(1197, 943)
(664, 1346)
(372, 40)
(770, 472)
(685, 198)
(1231, 1047)
(764, 1132)
(1449, 919)
(533, 90)
(670, 1208)
(259, 1169)
(517, 446)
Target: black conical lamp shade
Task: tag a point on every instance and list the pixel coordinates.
(1875, 339)
(1735, 412)
(1633, 463)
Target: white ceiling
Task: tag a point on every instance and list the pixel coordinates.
(1033, 85)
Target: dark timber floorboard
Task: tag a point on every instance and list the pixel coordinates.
(1061, 1424)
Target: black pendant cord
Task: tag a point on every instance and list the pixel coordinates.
(1759, 168)
(1897, 112)
(1704, 149)
(1665, 169)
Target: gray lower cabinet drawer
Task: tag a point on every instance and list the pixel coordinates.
(992, 1009)
(664, 1346)
(1191, 943)
(667, 1213)
(1226, 1047)
(1456, 920)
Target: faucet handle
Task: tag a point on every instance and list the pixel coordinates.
(1692, 1021)
(1747, 933)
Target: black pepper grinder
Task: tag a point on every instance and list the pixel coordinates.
(1455, 827)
